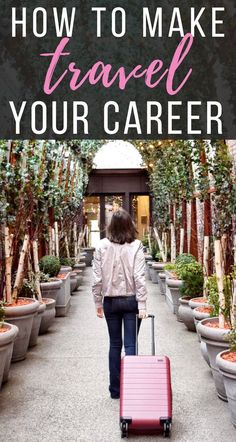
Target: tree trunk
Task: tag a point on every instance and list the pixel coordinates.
(173, 243)
(159, 244)
(235, 249)
(172, 235)
(181, 242)
(165, 244)
(149, 243)
(185, 225)
(206, 248)
(177, 227)
(37, 270)
(75, 240)
(208, 229)
(56, 239)
(20, 270)
(193, 233)
(227, 249)
(50, 241)
(207, 212)
(51, 216)
(220, 280)
(8, 258)
(53, 242)
(67, 246)
(79, 244)
(224, 244)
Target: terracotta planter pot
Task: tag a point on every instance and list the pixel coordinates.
(22, 316)
(51, 289)
(228, 371)
(64, 296)
(7, 339)
(216, 342)
(36, 325)
(162, 277)
(173, 287)
(48, 315)
(89, 255)
(186, 314)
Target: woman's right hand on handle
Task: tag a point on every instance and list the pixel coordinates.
(100, 313)
(142, 314)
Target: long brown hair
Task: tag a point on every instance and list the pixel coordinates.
(121, 228)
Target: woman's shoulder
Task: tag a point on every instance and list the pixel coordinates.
(103, 243)
(136, 244)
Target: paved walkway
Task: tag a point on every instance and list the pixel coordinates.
(59, 393)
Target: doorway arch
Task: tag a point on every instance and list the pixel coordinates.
(119, 178)
(118, 154)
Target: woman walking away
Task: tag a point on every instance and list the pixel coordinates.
(119, 289)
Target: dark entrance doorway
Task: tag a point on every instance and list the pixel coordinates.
(113, 188)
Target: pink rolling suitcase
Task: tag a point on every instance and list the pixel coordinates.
(145, 393)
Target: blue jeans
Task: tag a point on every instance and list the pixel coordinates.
(118, 310)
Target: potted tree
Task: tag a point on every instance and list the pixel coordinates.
(226, 363)
(154, 266)
(29, 290)
(211, 306)
(8, 333)
(216, 340)
(192, 277)
(19, 311)
(89, 251)
(162, 282)
(184, 278)
(147, 253)
(42, 185)
(173, 284)
(50, 285)
(215, 331)
(67, 264)
(145, 242)
(159, 266)
(183, 291)
(58, 287)
(209, 309)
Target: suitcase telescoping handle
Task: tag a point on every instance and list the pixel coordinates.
(152, 317)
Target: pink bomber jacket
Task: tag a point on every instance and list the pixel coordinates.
(119, 270)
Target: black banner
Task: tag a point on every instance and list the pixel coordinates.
(118, 69)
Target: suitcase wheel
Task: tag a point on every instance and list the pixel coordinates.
(124, 429)
(167, 429)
